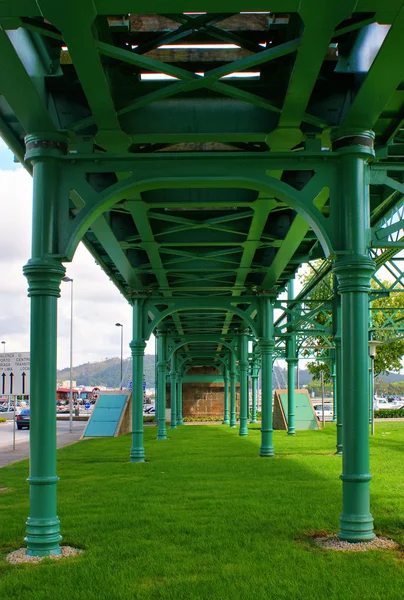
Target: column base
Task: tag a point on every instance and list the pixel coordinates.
(243, 432)
(226, 422)
(179, 423)
(254, 421)
(136, 455)
(161, 436)
(233, 426)
(267, 451)
(338, 452)
(356, 528)
(43, 537)
(291, 432)
(173, 426)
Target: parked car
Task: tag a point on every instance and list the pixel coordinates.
(385, 403)
(23, 418)
(328, 414)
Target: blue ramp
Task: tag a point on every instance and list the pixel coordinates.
(107, 416)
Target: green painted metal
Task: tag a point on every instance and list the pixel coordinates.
(44, 274)
(233, 379)
(266, 345)
(173, 392)
(226, 420)
(243, 370)
(334, 384)
(137, 347)
(292, 362)
(198, 195)
(106, 415)
(179, 401)
(161, 399)
(353, 272)
(254, 384)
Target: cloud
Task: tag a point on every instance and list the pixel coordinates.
(97, 304)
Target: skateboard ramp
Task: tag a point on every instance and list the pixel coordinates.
(111, 417)
(305, 417)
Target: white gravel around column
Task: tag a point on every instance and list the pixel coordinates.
(332, 542)
(20, 556)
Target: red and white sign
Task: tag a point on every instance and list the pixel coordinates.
(95, 393)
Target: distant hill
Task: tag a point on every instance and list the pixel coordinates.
(108, 372)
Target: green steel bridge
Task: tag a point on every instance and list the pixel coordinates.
(203, 153)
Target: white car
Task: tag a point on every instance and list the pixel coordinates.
(328, 413)
(383, 403)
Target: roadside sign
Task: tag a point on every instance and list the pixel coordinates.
(144, 386)
(95, 393)
(15, 373)
(87, 405)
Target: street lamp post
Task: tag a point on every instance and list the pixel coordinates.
(4, 347)
(121, 326)
(69, 280)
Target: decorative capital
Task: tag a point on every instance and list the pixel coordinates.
(137, 347)
(45, 145)
(44, 276)
(266, 346)
(354, 273)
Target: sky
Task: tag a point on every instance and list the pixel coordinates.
(97, 304)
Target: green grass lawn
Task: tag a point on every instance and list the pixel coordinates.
(207, 518)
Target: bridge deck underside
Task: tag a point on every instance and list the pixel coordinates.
(209, 82)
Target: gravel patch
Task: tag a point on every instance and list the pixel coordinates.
(20, 556)
(332, 542)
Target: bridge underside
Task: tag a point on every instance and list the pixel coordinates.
(202, 157)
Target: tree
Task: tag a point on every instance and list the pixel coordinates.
(387, 325)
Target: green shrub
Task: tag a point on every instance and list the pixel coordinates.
(3, 420)
(390, 413)
(148, 419)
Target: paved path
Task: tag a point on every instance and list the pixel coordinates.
(8, 455)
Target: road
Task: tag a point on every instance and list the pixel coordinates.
(8, 455)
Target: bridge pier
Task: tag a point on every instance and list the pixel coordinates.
(353, 269)
(266, 344)
(44, 273)
(161, 389)
(137, 347)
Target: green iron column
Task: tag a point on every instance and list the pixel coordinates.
(243, 366)
(173, 391)
(292, 363)
(233, 375)
(44, 273)
(353, 269)
(179, 400)
(336, 321)
(254, 383)
(137, 347)
(266, 344)
(334, 384)
(226, 420)
(161, 399)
